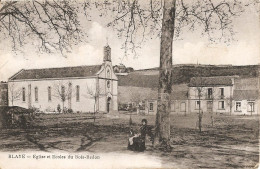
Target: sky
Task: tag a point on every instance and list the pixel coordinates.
(191, 49)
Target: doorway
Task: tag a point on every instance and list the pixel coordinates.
(210, 106)
(108, 103)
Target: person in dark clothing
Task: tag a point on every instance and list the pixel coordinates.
(136, 142)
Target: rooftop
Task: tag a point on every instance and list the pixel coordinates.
(79, 71)
(246, 94)
(211, 81)
(138, 80)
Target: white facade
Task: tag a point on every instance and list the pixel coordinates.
(212, 99)
(245, 107)
(81, 94)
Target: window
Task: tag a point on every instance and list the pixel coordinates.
(108, 73)
(77, 93)
(23, 91)
(238, 106)
(196, 93)
(63, 93)
(49, 93)
(36, 93)
(151, 107)
(209, 93)
(173, 106)
(221, 93)
(251, 107)
(221, 105)
(209, 105)
(69, 92)
(108, 84)
(197, 104)
(183, 107)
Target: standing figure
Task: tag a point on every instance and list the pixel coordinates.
(200, 120)
(136, 142)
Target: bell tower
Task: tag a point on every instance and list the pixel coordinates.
(107, 53)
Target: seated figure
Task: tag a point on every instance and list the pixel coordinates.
(136, 142)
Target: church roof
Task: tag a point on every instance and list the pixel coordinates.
(78, 71)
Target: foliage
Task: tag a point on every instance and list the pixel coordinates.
(54, 25)
(70, 111)
(58, 108)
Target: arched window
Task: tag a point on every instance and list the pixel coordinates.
(49, 93)
(23, 91)
(63, 97)
(70, 91)
(36, 93)
(77, 93)
(108, 84)
(108, 73)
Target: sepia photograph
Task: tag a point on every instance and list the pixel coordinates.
(129, 84)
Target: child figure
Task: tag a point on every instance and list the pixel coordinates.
(136, 142)
(131, 137)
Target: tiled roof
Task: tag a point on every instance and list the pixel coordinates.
(79, 71)
(132, 93)
(138, 80)
(246, 94)
(211, 81)
(246, 84)
(179, 95)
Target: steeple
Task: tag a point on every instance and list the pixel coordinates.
(107, 53)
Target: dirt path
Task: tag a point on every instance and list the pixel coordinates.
(232, 143)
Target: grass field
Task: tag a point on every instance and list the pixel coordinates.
(232, 142)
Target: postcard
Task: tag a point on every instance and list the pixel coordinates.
(129, 84)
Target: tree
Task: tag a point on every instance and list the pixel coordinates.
(52, 25)
(212, 97)
(230, 103)
(94, 93)
(200, 90)
(135, 98)
(162, 128)
(251, 105)
(63, 92)
(15, 93)
(213, 17)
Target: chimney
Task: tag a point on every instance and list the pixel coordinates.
(107, 53)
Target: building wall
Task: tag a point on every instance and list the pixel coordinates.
(87, 90)
(216, 99)
(84, 103)
(179, 107)
(151, 107)
(115, 95)
(102, 86)
(108, 88)
(105, 93)
(3, 94)
(245, 107)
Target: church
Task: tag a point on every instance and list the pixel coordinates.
(78, 89)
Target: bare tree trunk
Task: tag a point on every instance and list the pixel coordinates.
(95, 110)
(29, 96)
(162, 128)
(63, 106)
(200, 115)
(12, 100)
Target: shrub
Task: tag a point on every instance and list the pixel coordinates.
(70, 111)
(58, 108)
